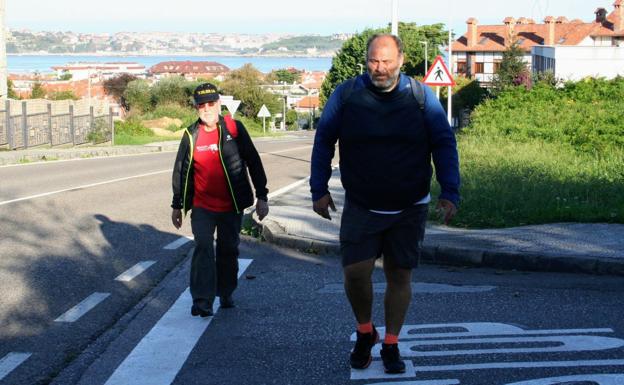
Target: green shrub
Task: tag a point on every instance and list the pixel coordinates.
(586, 115)
(132, 127)
(188, 115)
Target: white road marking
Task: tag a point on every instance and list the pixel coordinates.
(134, 271)
(158, 358)
(558, 344)
(178, 242)
(11, 361)
(516, 365)
(285, 189)
(423, 382)
(286, 150)
(598, 379)
(293, 185)
(376, 371)
(41, 162)
(73, 314)
(81, 187)
(478, 329)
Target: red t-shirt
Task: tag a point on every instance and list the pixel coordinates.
(211, 189)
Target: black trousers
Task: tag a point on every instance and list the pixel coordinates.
(214, 273)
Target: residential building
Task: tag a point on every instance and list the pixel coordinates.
(571, 49)
(82, 70)
(191, 70)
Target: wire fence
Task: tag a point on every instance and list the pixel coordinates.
(31, 123)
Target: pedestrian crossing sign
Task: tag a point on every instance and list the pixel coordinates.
(438, 74)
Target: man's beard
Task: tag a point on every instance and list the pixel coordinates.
(388, 84)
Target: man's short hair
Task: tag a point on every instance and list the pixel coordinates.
(396, 39)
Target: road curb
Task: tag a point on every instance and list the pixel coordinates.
(272, 232)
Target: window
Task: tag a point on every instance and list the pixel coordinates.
(478, 68)
(461, 67)
(497, 65)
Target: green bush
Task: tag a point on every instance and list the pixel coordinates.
(138, 96)
(132, 127)
(187, 115)
(172, 90)
(586, 115)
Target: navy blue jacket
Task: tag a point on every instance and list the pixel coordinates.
(386, 146)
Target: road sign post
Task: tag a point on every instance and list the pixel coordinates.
(439, 75)
(264, 113)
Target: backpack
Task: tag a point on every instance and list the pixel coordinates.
(417, 91)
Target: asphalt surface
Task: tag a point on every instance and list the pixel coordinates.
(292, 324)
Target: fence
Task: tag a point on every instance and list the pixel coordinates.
(31, 123)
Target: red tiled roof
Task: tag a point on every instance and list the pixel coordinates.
(188, 67)
(308, 102)
(493, 37)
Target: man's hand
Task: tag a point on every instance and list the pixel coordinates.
(176, 218)
(320, 206)
(262, 209)
(446, 209)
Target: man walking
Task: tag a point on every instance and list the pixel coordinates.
(210, 178)
(386, 142)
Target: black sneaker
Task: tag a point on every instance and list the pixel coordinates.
(361, 354)
(227, 302)
(197, 311)
(391, 357)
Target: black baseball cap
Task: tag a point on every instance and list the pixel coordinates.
(205, 93)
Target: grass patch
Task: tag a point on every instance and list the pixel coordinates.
(509, 183)
(124, 139)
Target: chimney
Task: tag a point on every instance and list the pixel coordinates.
(562, 20)
(550, 30)
(601, 15)
(509, 22)
(618, 26)
(472, 31)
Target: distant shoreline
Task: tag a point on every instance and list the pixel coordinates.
(196, 54)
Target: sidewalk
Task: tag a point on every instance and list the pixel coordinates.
(47, 154)
(559, 247)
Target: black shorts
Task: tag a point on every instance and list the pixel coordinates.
(399, 237)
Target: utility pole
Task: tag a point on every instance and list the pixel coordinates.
(3, 57)
(395, 17)
(425, 43)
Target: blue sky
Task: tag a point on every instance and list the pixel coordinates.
(265, 16)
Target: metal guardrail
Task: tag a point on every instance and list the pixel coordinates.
(25, 124)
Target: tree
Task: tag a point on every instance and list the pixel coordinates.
(65, 76)
(37, 91)
(513, 71)
(289, 76)
(171, 90)
(63, 95)
(116, 86)
(11, 94)
(244, 85)
(351, 58)
(137, 95)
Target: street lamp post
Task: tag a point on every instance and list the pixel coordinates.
(425, 43)
(361, 67)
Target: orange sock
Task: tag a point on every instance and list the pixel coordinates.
(391, 339)
(365, 328)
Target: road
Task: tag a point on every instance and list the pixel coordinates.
(83, 241)
(292, 323)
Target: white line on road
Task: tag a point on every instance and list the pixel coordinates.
(134, 271)
(81, 187)
(178, 242)
(158, 358)
(515, 365)
(11, 361)
(73, 314)
(39, 163)
(286, 150)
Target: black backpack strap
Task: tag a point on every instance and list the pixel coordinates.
(418, 92)
(347, 91)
